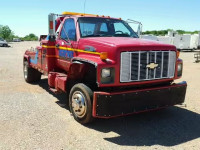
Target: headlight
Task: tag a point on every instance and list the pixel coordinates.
(179, 69)
(105, 73)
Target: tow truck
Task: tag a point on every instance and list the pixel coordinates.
(104, 67)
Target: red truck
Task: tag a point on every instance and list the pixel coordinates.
(104, 67)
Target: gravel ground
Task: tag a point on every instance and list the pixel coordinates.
(33, 118)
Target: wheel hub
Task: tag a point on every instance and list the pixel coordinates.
(78, 104)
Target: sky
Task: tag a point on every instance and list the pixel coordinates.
(31, 16)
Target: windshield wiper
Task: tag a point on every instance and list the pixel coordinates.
(92, 35)
(98, 35)
(122, 35)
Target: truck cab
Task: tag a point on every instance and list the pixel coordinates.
(104, 67)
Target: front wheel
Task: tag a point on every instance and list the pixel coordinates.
(80, 103)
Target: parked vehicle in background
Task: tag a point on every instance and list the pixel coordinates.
(150, 37)
(3, 43)
(104, 67)
(166, 39)
(16, 40)
(182, 42)
(186, 41)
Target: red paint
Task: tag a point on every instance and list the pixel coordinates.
(54, 65)
(51, 24)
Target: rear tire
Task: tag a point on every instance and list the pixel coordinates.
(31, 75)
(80, 103)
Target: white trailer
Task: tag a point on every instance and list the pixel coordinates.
(150, 37)
(199, 41)
(186, 41)
(166, 39)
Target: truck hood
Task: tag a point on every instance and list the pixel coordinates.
(115, 45)
(124, 42)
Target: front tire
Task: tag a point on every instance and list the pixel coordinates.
(31, 75)
(80, 103)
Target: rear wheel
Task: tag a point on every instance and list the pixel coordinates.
(31, 75)
(80, 103)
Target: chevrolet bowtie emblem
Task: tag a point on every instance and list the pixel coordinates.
(152, 66)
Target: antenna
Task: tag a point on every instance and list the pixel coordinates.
(84, 6)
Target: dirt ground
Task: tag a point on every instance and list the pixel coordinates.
(31, 117)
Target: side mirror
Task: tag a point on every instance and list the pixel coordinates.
(139, 30)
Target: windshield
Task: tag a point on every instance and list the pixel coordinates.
(104, 27)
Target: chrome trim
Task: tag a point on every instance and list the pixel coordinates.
(165, 59)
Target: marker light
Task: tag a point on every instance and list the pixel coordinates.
(104, 55)
(75, 13)
(179, 69)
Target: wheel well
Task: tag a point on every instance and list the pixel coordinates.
(25, 59)
(82, 72)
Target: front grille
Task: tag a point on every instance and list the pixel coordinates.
(147, 65)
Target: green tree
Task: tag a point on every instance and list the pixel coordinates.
(30, 37)
(5, 32)
(0, 30)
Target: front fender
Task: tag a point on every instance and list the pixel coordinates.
(94, 60)
(98, 63)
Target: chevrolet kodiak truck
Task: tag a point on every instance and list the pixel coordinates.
(104, 67)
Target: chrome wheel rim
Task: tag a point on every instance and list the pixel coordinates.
(78, 104)
(25, 71)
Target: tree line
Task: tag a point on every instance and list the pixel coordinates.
(7, 34)
(164, 32)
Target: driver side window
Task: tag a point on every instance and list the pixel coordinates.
(69, 29)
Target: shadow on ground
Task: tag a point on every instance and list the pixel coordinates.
(167, 127)
(62, 98)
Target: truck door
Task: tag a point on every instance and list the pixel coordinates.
(67, 41)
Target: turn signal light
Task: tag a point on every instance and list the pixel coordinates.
(177, 53)
(104, 55)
